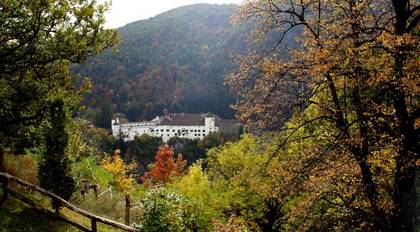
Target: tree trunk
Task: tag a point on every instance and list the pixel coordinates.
(2, 168)
(3, 180)
(404, 193)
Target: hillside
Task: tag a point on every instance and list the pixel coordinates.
(176, 60)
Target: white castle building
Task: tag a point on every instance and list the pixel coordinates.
(182, 125)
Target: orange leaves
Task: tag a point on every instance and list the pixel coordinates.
(165, 167)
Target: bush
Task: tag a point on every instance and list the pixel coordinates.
(54, 170)
(111, 204)
(107, 205)
(165, 211)
(233, 225)
(87, 168)
(24, 167)
(196, 186)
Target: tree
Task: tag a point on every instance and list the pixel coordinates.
(211, 140)
(39, 40)
(54, 172)
(189, 148)
(167, 211)
(122, 173)
(103, 114)
(164, 167)
(357, 66)
(252, 184)
(143, 148)
(184, 75)
(239, 183)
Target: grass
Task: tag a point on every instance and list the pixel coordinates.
(16, 216)
(86, 221)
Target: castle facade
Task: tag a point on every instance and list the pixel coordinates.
(182, 125)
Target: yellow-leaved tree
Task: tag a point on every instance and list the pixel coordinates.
(121, 172)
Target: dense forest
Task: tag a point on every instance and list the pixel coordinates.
(176, 60)
(332, 122)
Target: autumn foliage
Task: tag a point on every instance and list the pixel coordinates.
(347, 104)
(120, 171)
(165, 167)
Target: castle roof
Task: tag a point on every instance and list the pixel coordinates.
(185, 119)
(182, 119)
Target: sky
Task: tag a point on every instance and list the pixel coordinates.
(127, 11)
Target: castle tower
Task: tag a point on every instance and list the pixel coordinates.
(210, 124)
(115, 126)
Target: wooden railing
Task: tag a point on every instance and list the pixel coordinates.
(6, 178)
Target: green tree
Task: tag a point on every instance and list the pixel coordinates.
(236, 184)
(239, 172)
(166, 211)
(196, 186)
(54, 171)
(143, 148)
(103, 114)
(189, 148)
(101, 139)
(211, 140)
(183, 75)
(38, 40)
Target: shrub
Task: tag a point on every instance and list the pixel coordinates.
(87, 168)
(24, 167)
(54, 170)
(196, 186)
(107, 205)
(165, 211)
(233, 225)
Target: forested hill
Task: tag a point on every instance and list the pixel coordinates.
(176, 60)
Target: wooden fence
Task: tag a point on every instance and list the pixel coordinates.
(6, 178)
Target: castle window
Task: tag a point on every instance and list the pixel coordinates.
(152, 130)
(173, 130)
(167, 130)
(161, 130)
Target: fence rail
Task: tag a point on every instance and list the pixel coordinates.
(5, 178)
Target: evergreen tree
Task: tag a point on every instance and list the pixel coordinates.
(54, 171)
(103, 115)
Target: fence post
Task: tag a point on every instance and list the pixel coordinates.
(4, 183)
(3, 180)
(127, 209)
(2, 168)
(93, 224)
